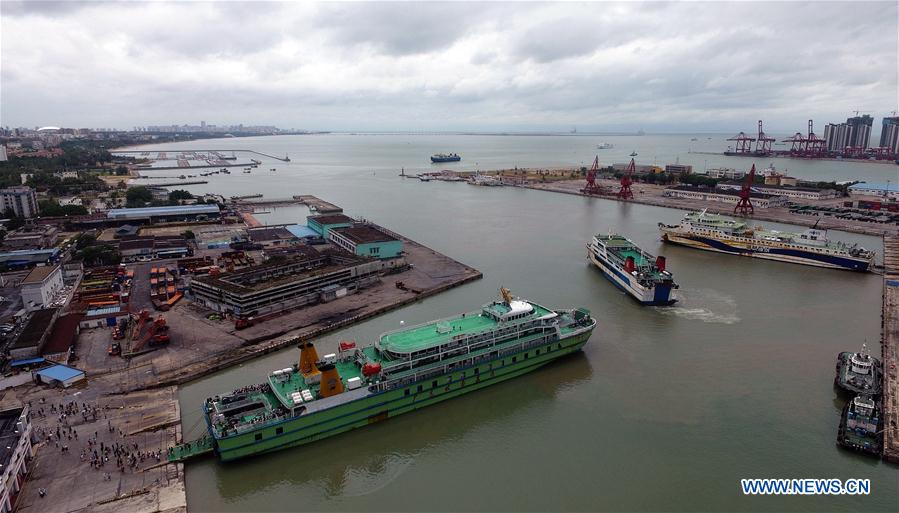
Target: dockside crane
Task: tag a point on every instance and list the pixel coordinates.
(763, 142)
(592, 187)
(744, 206)
(625, 191)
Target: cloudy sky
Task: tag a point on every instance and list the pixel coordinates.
(674, 66)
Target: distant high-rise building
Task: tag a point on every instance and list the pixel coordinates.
(21, 200)
(837, 136)
(861, 131)
(889, 135)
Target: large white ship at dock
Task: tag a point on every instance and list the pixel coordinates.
(713, 232)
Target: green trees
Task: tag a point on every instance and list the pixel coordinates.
(138, 196)
(52, 208)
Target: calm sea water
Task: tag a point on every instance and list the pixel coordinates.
(665, 409)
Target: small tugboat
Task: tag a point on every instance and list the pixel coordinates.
(444, 157)
(633, 154)
(859, 373)
(860, 426)
(604, 146)
(633, 270)
(424, 178)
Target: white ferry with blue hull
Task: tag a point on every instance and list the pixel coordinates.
(712, 232)
(633, 270)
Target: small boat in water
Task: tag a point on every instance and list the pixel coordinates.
(604, 146)
(424, 178)
(445, 157)
(633, 154)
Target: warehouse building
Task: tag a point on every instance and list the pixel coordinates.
(323, 224)
(804, 193)
(178, 213)
(41, 286)
(307, 278)
(884, 190)
(34, 334)
(16, 454)
(759, 200)
(24, 258)
(366, 241)
(58, 376)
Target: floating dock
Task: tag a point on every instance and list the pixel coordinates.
(890, 348)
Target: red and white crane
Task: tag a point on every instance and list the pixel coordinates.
(744, 206)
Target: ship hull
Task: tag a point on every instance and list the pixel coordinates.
(758, 250)
(438, 160)
(660, 295)
(381, 406)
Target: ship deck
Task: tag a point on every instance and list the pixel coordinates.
(440, 331)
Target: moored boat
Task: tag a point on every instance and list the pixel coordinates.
(859, 372)
(860, 426)
(633, 270)
(712, 232)
(404, 370)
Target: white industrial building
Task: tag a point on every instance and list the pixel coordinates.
(16, 453)
(41, 286)
(759, 200)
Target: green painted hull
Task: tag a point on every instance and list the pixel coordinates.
(381, 406)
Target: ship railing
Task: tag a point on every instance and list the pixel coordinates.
(495, 337)
(450, 367)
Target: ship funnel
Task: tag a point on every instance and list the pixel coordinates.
(660, 263)
(629, 265)
(330, 383)
(308, 357)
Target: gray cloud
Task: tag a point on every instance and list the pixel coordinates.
(447, 65)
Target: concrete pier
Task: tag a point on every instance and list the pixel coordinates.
(890, 348)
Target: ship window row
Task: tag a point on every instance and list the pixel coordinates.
(493, 355)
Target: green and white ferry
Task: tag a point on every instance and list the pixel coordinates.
(404, 370)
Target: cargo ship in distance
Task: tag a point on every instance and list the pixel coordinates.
(404, 370)
(445, 157)
(713, 232)
(633, 270)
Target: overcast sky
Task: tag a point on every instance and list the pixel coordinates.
(448, 66)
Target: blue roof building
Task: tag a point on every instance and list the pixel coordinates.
(58, 375)
(888, 189)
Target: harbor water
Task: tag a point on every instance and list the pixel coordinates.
(666, 409)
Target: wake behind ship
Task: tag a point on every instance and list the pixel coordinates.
(404, 370)
(712, 232)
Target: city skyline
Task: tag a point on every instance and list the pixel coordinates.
(662, 68)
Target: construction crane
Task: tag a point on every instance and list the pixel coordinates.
(592, 187)
(155, 334)
(744, 206)
(625, 191)
(763, 142)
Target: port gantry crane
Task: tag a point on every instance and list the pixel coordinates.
(744, 206)
(763, 142)
(625, 191)
(592, 187)
(744, 143)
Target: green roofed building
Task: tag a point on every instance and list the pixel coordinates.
(367, 241)
(322, 224)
